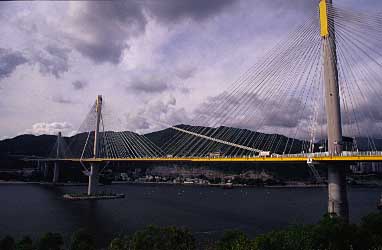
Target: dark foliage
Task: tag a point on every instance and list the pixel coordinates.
(235, 240)
(7, 243)
(82, 240)
(50, 241)
(329, 234)
(156, 238)
(25, 243)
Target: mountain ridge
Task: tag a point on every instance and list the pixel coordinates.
(42, 145)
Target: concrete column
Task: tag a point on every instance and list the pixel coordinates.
(56, 172)
(93, 176)
(39, 166)
(338, 201)
(338, 204)
(332, 97)
(96, 131)
(46, 171)
(93, 179)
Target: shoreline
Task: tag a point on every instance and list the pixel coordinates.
(188, 184)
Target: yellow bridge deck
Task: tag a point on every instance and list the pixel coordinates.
(269, 159)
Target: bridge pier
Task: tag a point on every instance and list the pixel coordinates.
(56, 170)
(56, 173)
(39, 167)
(94, 167)
(46, 171)
(93, 179)
(338, 202)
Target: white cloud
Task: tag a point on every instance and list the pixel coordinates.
(43, 128)
(4, 138)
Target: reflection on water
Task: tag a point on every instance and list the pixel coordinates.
(34, 209)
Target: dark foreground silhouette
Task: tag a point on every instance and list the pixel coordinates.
(329, 233)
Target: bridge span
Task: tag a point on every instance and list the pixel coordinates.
(346, 157)
(316, 81)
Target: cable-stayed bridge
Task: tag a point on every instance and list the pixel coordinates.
(313, 98)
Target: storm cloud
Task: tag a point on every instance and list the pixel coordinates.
(251, 111)
(78, 85)
(100, 29)
(173, 10)
(148, 87)
(9, 60)
(52, 60)
(62, 100)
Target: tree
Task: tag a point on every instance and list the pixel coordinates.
(295, 237)
(155, 238)
(25, 243)
(119, 243)
(371, 230)
(50, 241)
(7, 243)
(235, 240)
(82, 240)
(334, 233)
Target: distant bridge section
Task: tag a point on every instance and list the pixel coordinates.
(293, 158)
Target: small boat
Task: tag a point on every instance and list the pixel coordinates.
(99, 196)
(228, 185)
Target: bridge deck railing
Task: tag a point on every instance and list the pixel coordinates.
(281, 156)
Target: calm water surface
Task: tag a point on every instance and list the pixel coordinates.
(33, 209)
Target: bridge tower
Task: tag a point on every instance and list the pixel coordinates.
(56, 171)
(93, 175)
(338, 203)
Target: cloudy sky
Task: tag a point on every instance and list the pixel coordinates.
(148, 58)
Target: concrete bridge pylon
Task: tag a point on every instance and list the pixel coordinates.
(337, 200)
(94, 167)
(56, 169)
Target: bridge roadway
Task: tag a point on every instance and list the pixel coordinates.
(293, 158)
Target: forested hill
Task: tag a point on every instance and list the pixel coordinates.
(42, 146)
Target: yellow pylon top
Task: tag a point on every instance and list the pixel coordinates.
(324, 19)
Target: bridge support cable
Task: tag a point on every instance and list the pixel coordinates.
(226, 130)
(193, 134)
(133, 144)
(278, 91)
(347, 96)
(357, 91)
(278, 94)
(122, 150)
(268, 97)
(351, 94)
(308, 83)
(366, 114)
(243, 86)
(111, 143)
(221, 105)
(359, 35)
(310, 101)
(218, 140)
(282, 94)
